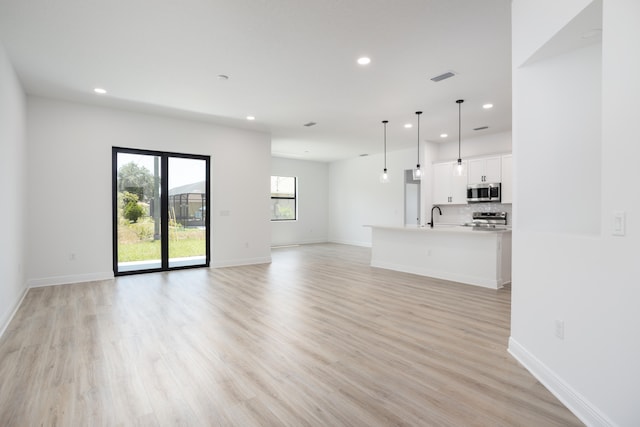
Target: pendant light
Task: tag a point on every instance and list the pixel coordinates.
(417, 173)
(384, 177)
(459, 169)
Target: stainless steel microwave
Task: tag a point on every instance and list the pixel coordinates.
(485, 192)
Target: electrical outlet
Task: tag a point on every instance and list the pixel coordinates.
(560, 329)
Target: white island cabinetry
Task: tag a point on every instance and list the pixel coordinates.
(456, 253)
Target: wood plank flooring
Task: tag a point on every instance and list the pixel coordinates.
(317, 338)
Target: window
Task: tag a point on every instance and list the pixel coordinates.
(283, 198)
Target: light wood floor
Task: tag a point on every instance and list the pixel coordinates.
(317, 338)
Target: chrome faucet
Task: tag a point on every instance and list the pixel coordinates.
(435, 207)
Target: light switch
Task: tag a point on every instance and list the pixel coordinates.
(618, 223)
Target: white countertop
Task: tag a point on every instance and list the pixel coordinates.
(443, 228)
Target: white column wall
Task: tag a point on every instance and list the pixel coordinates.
(574, 270)
(313, 194)
(13, 177)
(69, 192)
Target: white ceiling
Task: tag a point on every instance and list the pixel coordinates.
(288, 61)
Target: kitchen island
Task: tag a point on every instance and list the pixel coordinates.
(480, 257)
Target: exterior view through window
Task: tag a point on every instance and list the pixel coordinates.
(160, 219)
(283, 198)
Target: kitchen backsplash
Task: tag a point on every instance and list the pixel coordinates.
(460, 214)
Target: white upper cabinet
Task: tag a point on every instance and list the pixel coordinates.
(507, 179)
(486, 169)
(449, 187)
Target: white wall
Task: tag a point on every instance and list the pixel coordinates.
(13, 179)
(578, 273)
(313, 192)
(562, 155)
(357, 198)
(539, 21)
(496, 143)
(69, 191)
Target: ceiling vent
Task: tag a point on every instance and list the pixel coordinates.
(482, 128)
(442, 76)
(310, 124)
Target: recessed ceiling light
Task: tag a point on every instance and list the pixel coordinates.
(364, 60)
(100, 91)
(443, 135)
(487, 106)
(251, 118)
(408, 125)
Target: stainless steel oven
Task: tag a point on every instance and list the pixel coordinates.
(477, 193)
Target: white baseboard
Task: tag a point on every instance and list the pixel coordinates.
(352, 243)
(460, 278)
(566, 394)
(4, 322)
(65, 280)
(300, 242)
(242, 261)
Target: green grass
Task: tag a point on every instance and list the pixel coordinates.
(148, 250)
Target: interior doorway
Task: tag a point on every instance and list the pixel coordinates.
(411, 199)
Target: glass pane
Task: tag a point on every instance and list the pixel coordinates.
(138, 209)
(282, 209)
(283, 186)
(187, 212)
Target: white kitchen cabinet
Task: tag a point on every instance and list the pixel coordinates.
(485, 170)
(507, 179)
(448, 186)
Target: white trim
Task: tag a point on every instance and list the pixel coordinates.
(7, 320)
(242, 261)
(350, 242)
(455, 277)
(574, 401)
(299, 242)
(65, 280)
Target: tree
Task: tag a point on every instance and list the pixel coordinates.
(131, 210)
(137, 180)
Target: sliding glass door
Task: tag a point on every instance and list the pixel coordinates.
(187, 212)
(160, 203)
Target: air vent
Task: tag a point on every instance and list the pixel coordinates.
(442, 76)
(310, 124)
(482, 128)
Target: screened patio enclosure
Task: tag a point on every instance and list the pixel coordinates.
(188, 204)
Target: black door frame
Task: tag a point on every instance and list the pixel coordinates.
(164, 207)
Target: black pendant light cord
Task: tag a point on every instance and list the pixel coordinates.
(418, 113)
(385, 144)
(459, 102)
